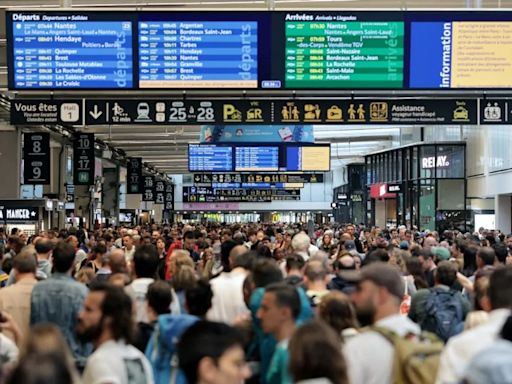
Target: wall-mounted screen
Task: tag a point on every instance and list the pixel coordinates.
(344, 54)
(68, 51)
(308, 158)
(246, 50)
(210, 158)
(198, 54)
(461, 54)
(256, 159)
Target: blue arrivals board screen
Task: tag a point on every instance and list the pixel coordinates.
(256, 159)
(210, 158)
(198, 54)
(70, 51)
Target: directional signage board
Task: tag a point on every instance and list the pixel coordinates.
(169, 197)
(235, 112)
(70, 193)
(83, 159)
(496, 111)
(148, 189)
(210, 195)
(271, 178)
(134, 175)
(159, 192)
(36, 158)
(38, 111)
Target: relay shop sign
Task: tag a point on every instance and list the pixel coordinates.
(83, 159)
(18, 215)
(36, 158)
(235, 112)
(432, 162)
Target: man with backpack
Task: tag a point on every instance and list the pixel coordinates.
(393, 349)
(440, 310)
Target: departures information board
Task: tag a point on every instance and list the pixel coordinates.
(194, 54)
(70, 51)
(344, 54)
(264, 50)
(256, 159)
(212, 158)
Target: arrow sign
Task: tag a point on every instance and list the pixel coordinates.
(96, 113)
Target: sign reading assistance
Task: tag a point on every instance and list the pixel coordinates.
(343, 52)
(70, 51)
(190, 54)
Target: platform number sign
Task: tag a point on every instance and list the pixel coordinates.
(134, 175)
(148, 190)
(159, 191)
(83, 159)
(169, 197)
(36, 158)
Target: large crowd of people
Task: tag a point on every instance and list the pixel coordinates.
(257, 303)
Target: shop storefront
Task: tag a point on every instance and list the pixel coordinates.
(419, 185)
(29, 216)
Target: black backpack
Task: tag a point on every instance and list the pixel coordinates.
(444, 314)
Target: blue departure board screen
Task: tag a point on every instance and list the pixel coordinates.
(210, 158)
(198, 54)
(256, 159)
(73, 51)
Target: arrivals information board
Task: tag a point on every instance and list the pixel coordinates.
(282, 50)
(351, 54)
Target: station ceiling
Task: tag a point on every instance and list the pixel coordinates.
(165, 147)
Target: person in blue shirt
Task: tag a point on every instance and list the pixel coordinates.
(278, 313)
(266, 272)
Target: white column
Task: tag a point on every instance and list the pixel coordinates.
(503, 211)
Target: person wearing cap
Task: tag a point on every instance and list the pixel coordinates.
(377, 301)
(440, 254)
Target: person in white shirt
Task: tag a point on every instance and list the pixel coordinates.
(228, 299)
(129, 248)
(462, 348)
(145, 265)
(106, 321)
(377, 300)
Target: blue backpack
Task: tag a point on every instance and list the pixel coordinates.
(161, 349)
(445, 315)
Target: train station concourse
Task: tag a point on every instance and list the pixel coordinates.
(231, 191)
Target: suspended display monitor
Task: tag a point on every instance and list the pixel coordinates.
(249, 50)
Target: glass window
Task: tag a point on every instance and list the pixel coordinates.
(427, 207)
(450, 194)
(450, 161)
(428, 162)
(400, 165)
(414, 163)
